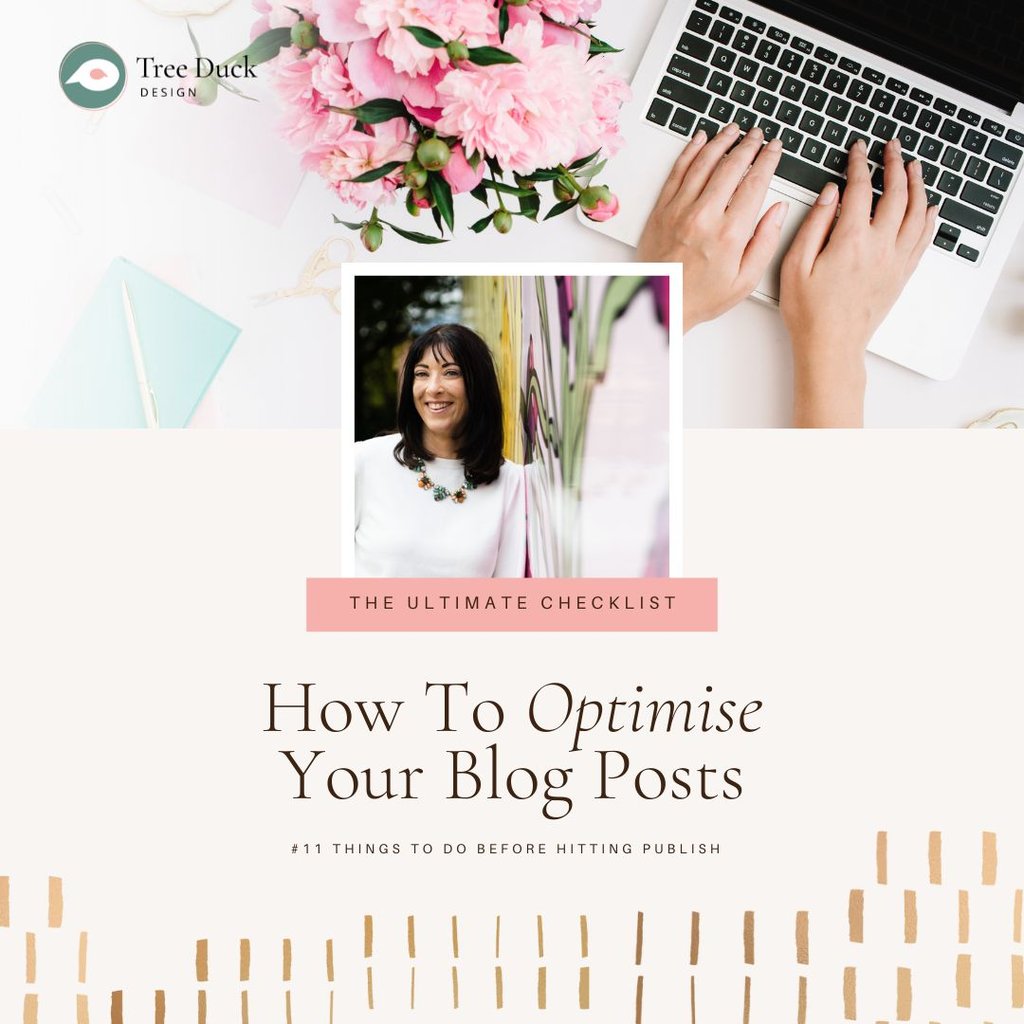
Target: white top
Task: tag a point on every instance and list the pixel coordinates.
(401, 531)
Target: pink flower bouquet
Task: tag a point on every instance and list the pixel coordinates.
(437, 97)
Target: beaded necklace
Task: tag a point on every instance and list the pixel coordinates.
(439, 492)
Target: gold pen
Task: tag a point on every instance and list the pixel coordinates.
(146, 395)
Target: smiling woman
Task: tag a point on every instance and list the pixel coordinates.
(438, 499)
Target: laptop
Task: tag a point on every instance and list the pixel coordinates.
(945, 76)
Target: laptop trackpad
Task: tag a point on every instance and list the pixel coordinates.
(768, 288)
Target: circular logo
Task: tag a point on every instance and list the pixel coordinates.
(92, 75)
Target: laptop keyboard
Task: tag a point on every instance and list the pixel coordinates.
(728, 67)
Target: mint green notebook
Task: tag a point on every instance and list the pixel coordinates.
(93, 383)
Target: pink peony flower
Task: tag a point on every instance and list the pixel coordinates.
(526, 115)
(354, 153)
(460, 174)
(278, 14)
(337, 20)
(608, 93)
(567, 12)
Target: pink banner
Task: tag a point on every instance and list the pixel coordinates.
(513, 605)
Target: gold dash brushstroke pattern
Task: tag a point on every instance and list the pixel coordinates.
(288, 1006)
(850, 993)
(909, 916)
(117, 1007)
(286, 960)
(904, 997)
(369, 988)
(584, 937)
(882, 858)
(497, 936)
(1018, 915)
(748, 937)
(30, 958)
(245, 1008)
(30, 1012)
(540, 936)
(244, 959)
(803, 947)
(329, 958)
(499, 988)
(55, 903)
(202, 960)
(201, 1006)
(639, 951)
(801, 1001)
(746, 1000)
(935, 858)
(455, 987)
(159, 1007)
(455, 937)
(988, 858)
(1017, 981)
(412, 988)
(5, 901)
(83, 956)
(82, 1009)
(856, 915)
(542, 988)
(368, 936)
(584, 988)
(694, 938)
(963, 916)
(410, 936)
(638, 1014)
(963, 980)
(693, 1000)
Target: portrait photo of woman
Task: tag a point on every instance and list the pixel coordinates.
(438, 498)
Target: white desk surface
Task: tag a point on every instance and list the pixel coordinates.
(152, 181)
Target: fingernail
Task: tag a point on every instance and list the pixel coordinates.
(699, 136)
(781, 209)
(731, 129)
(894, 145)
(775, 145)
(860, 146)
(914, 167)
(755, 133)
(828, 194)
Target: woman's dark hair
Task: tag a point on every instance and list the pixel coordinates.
(481, 436)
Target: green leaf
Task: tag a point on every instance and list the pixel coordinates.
(424, 36)
(545, 175)
(236, 90)
(482, 223)
(559, 208)
(482, 56)
(509, 190)
(591, 172)
(480, 193)
(375, 111)
(264, 47)
(599, 46)
(441, 193)
(348, 223)
(530, 206)
(377, 173)
(437, 220)
(503, 22)
(192, 36)
(413, 236)
(583, 160)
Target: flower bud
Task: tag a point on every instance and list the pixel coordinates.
(598, 203)
(525, 182)
(457, 50)
(502, 222)
(206, 90)
(563, 193)
(433, 154)
(305, 35)
(421, 197)
(411, 205)
(414, 175)
(372, 235)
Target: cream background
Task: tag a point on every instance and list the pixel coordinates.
(151, 583)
